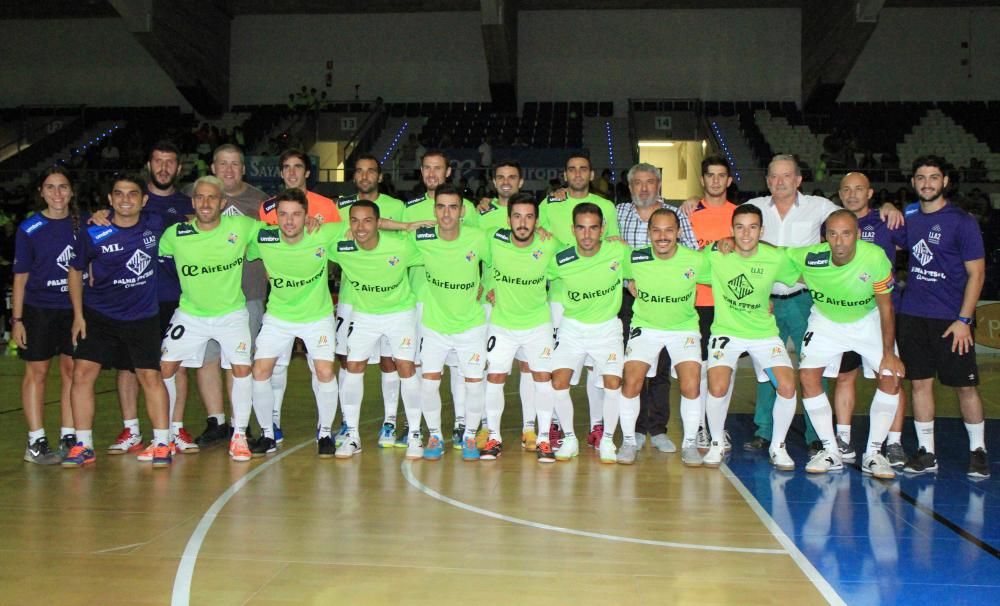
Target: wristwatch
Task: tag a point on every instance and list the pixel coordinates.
(965, 320)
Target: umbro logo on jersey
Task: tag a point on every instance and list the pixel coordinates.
(347, 246)
(426, 233)
(639, 256)
(820, 259)
(268, 236)
(415, 201)
(740, 286)
(185, 229)
(345, 202)
(138, 263)
(97, 234)
(503, 235)
(566, 256)
(922, 252)
(65, 257)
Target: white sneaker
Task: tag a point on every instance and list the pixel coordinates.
(713, 458)
(640, 440)
(690, 455)
(877, 466)
(126, 442)
(824, 461)
(626, 454)
(414, 449)
(348, 449)
(780, 458)
(662, 443)
(606, 450)
(570, 448)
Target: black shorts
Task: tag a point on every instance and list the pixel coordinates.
(167, 309)
(113, 343)
(706, 315)
(850, 361)
(49, 333)
(926, 354)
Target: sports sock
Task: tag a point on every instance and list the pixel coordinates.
(390, 396)
(595, 400)
(716, 409)
(976, 431)
(629, 414)
(883, 411)
(494, 408)
(821, 415)
(784, 412)
(690, 417)
(703, 398)
(175, 428)
(279, 381)
(895, 437)
(563, 406)
(219, 418)
(457, 382)
(34, 435)
(65, 431)
(475, 393)
(132, 425)
(844, 433)
(430, 404)
(85, 437)
(352, 391)
(543, 408)
(161, 436)
(925, 434)
(409, 391)
(241, 397)
(326, 405)
(610, 411)
(263, 406)
(526, 387)
(171, 385)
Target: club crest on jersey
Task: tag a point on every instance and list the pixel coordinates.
(232, 238)
(65, 257)
(740, 286)
(865, 277)
(537, 254)
(922, 252)
(934, 237)
(614, 266)
(393, 260)
(470, 256)
(689, 273)
(138, 262)
(320, 252)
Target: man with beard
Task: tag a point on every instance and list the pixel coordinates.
(633, 221)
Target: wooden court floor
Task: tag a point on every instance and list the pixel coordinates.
(293, 529)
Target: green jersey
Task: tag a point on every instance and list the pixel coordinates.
(378, 276)
(422, 209)
(844, 293)
(665, 288)
(388, 208)
(210, 264)
(742, 289)
(452, 288)
(517, 278)
(493, 218)
(593, 285)
(297, 272)
(556, 216)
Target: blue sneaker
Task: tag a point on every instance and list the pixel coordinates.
(279, 437)
(456, 437)
(78, 456)
(387, 436)
(470, 452)
(341, 436)
(434, 449)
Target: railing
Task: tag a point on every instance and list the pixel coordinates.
(366, 134)
(15, 152)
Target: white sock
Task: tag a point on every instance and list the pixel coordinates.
(925, 434)
(895, 437)
(430, 404)
(263, 406)
(171, 385)
(458, 397)
(784, 412)
(132, 425)
(34, 435)
(595, 400)
(409, 390)
(341, 374)
(883, 411)
(526, 387)
(716, 410)
(241, 397)
(175, 428)
(821, 415)
(703, 398)
(543, 408)
(629, 414)
(475, 393)
(326, 405)
(976, 431)
(844, 433)
(65, 431)
(494, 408)
(690, 417)
(161, 436)
(390, 396)
(85, 437)
(563, 406)
(220, 419)
(279, 381)
(610, 410)
(352, 391)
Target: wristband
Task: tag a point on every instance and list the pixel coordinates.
(965, 320)
(15, 320)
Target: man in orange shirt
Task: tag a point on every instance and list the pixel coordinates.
(711, 219)
(295, 170)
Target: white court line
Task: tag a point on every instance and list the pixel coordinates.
(821, 584)
(408, 474)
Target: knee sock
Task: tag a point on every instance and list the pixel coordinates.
(171, 385)
(703, 398)
(390, 396)
(279, 381)
(474, 396)
(543, 408)
(241, 397)
(494, 409)
(409, 391)
(326, 404)
(821, 415)
(629, 413)
(526, 387)
(882, 413)
(352, 392)
(784, 412)
(263, 406)
(716, 410)
(691, 413)
(457, 395)
(430, 404)
(563, 406)
(925, 434)
(610, 411)
(595, 400)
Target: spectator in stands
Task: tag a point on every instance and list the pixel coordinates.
(603, 185)
(485, 154)
(110, 155)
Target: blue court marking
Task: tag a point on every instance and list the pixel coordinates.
(928, 539)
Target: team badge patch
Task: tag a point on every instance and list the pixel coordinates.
(320, 252)
(232, 238)
(689, 273)
(537, 253)
(717, 354)
(865, 277)
(393, 260)
(470, 256)
(614, 266)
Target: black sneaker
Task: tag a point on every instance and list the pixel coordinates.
(263, 446)
(492, 450)
(979, 467)
(456, 436)
(325, 448)
(815, 447)
(895, 454)
(756, 444)
(214, 434)
(38, 452)
(543, 450)
(922, 462)
(846, 451)
(66, 444)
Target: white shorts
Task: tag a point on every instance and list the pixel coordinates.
(531, 345)
(601, 343)
(277, 336)
(190, 334)
(366, 331)
(255, 307)
(765, 353)
(469, 348)
(645, 344)
(825, 341)
(345, 311)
